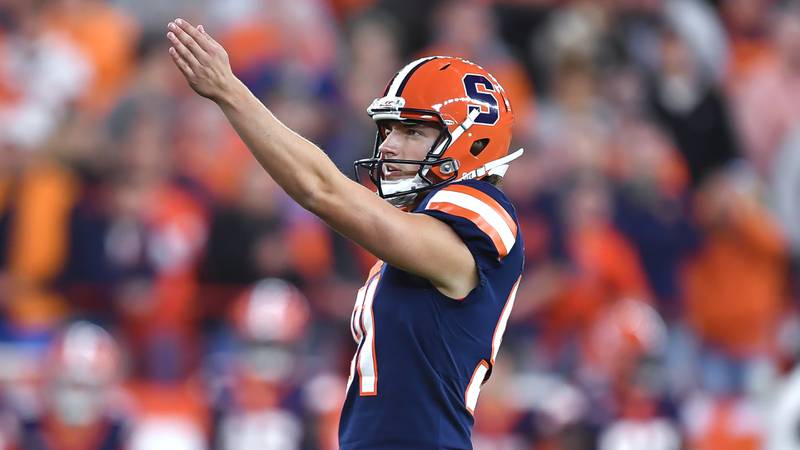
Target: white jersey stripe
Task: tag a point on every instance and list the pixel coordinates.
(500, 329)
(352, 373)
(366, 362)
(477, 206)
(357, 311)
(474, 386)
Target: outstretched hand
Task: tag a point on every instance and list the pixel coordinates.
(202, 60)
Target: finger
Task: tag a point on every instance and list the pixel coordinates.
(205, 37)
(211, 42)
(182, 50)
(181, 63)
(190, 30)
(189, 41)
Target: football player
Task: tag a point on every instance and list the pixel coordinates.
(83, 406)
(255, 397)
(431, 316)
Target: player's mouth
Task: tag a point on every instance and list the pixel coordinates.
(393, 172)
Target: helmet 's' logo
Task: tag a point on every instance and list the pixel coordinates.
(481, 91)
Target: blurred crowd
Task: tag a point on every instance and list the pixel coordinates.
(158, 290)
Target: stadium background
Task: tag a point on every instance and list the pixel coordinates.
(657, 195)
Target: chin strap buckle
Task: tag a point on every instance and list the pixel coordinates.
(496, 167)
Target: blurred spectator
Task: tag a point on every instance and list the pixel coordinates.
(256, 387)
(573, 125)
(784, 187)
(105, 36)
(172, 416)
(734, 284)
(272, 51)
(641, 426)
(767, 103)
(140, 239)
(373, 58)
(80, 405)
(703, 33)
(652, 210)
(601, 269)
(747, 23)
(468, 29)
(782, 419)
(734, 423)
(252, 238)
(39, 208)
(691, 109)
(41, 72)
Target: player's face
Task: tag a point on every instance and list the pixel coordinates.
(405, 141)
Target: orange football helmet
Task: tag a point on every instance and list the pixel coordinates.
(469, 107)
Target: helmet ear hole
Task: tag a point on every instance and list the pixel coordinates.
(478, 146)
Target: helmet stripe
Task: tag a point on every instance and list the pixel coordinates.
(389, 86)
(402, 77)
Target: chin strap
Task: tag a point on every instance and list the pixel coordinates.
(390, 187)
(496, 167)
(465, 125)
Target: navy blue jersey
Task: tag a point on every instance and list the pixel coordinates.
(422, 356)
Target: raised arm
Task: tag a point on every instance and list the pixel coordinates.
(416, 243)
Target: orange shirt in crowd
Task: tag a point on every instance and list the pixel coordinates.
(107, 37)
(43, 200)
(733, 288)
(607, 270)
(251, 43)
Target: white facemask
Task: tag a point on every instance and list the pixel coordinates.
(390, 187)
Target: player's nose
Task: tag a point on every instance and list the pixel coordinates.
(390, 147)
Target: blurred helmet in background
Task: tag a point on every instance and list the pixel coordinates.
(270, 319)
(83, 366)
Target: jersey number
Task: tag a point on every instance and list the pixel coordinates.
(480, 89)
(362, 326)
(479, 374)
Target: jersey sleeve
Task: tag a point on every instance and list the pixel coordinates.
(480, 214)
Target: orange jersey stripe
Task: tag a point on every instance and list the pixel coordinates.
(492, 203)
(375, 269)
(473, 217)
